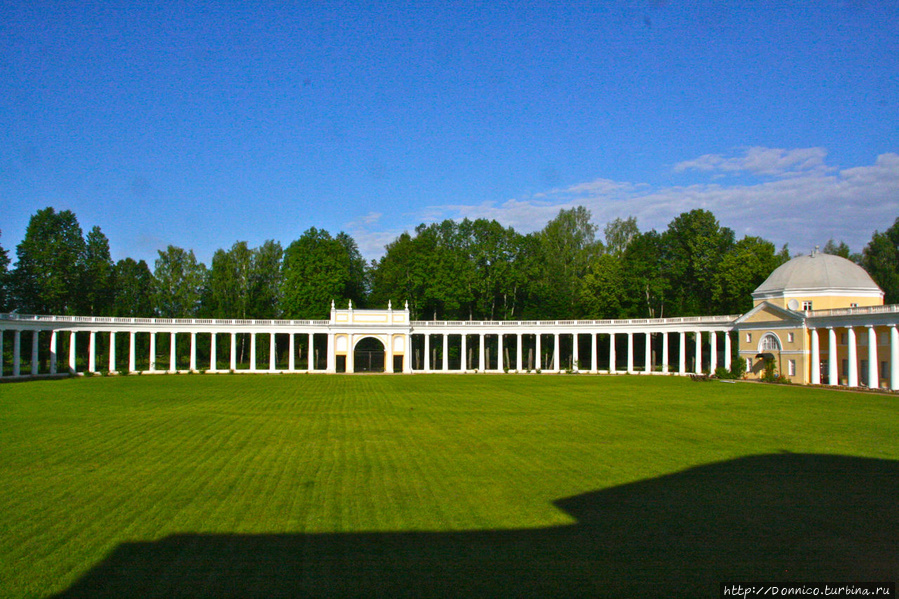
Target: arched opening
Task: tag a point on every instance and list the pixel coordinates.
(769, 363)
(368, 355)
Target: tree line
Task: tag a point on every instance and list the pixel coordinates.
(451, 270)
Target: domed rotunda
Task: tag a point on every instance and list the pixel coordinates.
(819, 282)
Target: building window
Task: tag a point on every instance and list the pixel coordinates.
(769, 343)
(748, 364)
(884, 370)
(807, 305)
(790, 337)
(748, 337)
(853, 305)
(844, 338)
(791, 367)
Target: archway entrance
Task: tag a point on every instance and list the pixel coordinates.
(368, 356)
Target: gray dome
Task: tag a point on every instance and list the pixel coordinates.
(818, 271)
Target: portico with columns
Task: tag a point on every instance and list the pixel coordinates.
(110, 345)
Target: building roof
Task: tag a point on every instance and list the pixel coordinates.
(817, 272)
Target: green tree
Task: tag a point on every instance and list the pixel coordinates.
(567, 245)
(229, 281)
(179, 281)
(619, 234)
(399, 275)
(317, 269)
(603, 289)
(741, 271)
(495, 276)
(97, 282)
(134, 289)
(694, 244)
(49, 266)
(881, 259)
(244, 282)
(842, 250)
(647, 289)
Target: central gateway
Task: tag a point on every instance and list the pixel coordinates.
(371, 340)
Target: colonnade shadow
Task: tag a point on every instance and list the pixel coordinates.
(777, 517)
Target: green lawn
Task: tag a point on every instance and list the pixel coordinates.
(439, 485)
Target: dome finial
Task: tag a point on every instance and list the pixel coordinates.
(815, 251)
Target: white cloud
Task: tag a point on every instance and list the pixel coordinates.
(804, 202)
(760, 161)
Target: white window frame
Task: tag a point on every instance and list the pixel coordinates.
(769, 342)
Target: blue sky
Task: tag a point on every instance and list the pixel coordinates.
(201, 124)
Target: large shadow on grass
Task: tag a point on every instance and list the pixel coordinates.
(786, 517)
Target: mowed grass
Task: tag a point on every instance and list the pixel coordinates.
(88, 466)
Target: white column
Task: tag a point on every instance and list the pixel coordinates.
(112, 351)
(213, 350)
(445, 352)
(556, 359)
(537, 349)
(407, 352)
(665, 352)
(72, 364)
(291, 350)
(873, 370)
(816, 358)
(173, 352)
(481, 363)
(894, 358)
(16, 348)
(682, 366)
(310, 349)
(713, 349)
(648, 354)
(332, 357)
(463, 365)
(34, 335)
(698, 364)
(233, 357)
(727, 350)
(499, 352)
(271, 351)
(92, 352)
(594, 365)
(575, 353)
(350, 365)
(518, 349)
(1, 351)
(427, 352)
(152, 351)
(132, 355)
(832, 370)
(193, 352)
(852, 360)
(253, 351)
(388, 354)
(630, 352)
(52, 352)
(612, 357)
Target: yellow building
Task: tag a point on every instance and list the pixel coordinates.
(820, 319)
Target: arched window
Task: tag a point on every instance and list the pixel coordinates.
(769, 343)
